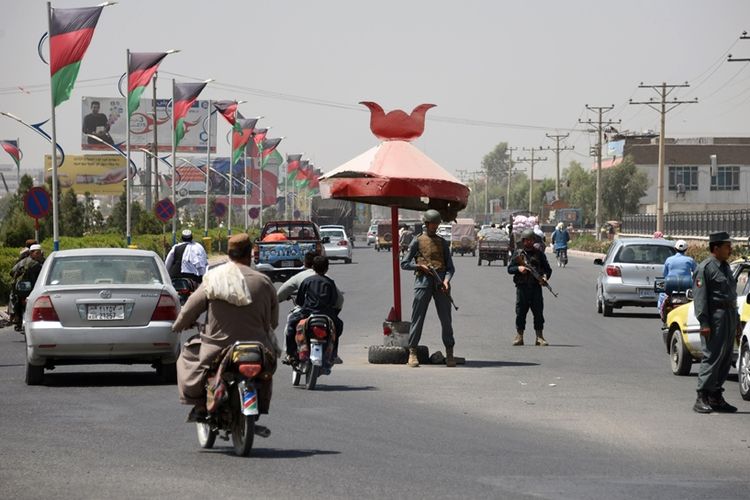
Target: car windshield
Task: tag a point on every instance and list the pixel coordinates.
(644, 254)
(109, 269)
(332, 233)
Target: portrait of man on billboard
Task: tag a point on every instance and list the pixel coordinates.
(96, 123)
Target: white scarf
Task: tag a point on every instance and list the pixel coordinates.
(227, 283)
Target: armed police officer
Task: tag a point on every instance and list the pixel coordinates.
(715, 299)
(528, 287)
(428, 252)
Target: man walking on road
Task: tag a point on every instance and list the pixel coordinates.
(430, 251)
(528, 288)
(188, 259)
(715, 299)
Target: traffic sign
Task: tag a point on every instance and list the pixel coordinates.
(254, 212)
(164, 209)
(220, 209)
(37, 202)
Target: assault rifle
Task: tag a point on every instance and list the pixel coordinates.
(521, 261)
(439, 285)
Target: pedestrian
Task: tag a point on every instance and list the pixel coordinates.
(240, 305)
(715, 300)
(187, 259)
(428, 252)
(528, 288)
(26, 271)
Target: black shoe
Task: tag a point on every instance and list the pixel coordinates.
(720, 405)
(337, 360)
(701, 405)
(197, 414)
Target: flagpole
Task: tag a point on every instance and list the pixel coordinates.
(127, 148)
(174, 169)
(286, 190)
(229, 215)
(208, 164)
(55, 208)
(18, 167)
(244, 170)
(260, 165)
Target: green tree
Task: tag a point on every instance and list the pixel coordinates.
(623, 186)
(495, 163)
(71, 215)
(16, 226)
(580, 189)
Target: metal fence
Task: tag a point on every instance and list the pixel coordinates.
(735, 222)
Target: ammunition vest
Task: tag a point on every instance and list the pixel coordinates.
(431, 251)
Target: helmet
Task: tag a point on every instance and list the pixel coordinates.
(527, 234)
(681, 245)
(431, 215)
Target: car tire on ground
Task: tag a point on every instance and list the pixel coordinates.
(607, 310)
(34, 374)
(347, 261)
(167, 372)
(679, 358)
(598, 303)
(387, 355)
(743, 372)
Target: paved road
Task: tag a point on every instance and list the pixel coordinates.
(596, 415)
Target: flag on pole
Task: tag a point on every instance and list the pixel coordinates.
(141, 69)
(240, 137)
(267, 147)
(185, 94)
(228, 109)
(11, 147)
(302, 174)
(70, 34)
(292, 167)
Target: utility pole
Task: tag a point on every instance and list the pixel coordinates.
(156, 146)
(557, 149)
(510, 174)
(598, 129)
(531, 161)
(474, 175)
(664, 106)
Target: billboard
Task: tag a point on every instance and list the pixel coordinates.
(97, 174)
(105, 117)
(9, 178)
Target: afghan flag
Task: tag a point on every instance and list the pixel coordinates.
(302, 174)
(267, 147)
(11, 147)
(71, 31)
(228, 109)
(241, 135)
(185, 94)
(141, 68)
(292, 166)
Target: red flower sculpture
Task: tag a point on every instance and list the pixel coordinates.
(396, 125)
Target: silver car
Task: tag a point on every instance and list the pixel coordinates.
(338, 246)
(628, 272)
(101, 305)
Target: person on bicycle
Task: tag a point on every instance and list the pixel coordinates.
(560, 239)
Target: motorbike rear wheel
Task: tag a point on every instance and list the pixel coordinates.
(243, 427)
(311, 376)
(206, 435)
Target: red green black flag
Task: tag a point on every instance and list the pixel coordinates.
(11, 147)
(240, 137)
(185, 94)
(228, 110)
(70, 34)
(141, 68)
(268, 146)
(292, 166)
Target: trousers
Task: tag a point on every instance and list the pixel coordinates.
(422, 297)
(529, 297)
(717, 350)
(297, 315)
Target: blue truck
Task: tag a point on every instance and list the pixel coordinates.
(279, 251)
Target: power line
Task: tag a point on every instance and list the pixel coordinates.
(557, 149)
(531, 161)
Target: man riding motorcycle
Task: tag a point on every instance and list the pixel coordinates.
(678, 274)
(241, 305)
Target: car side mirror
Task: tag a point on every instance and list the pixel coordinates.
(598, 262)
(326, 239)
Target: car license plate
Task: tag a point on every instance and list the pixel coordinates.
(287, 263)
(104, 312)
(646, 293)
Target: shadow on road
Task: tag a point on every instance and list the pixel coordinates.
(616, 314)
(12, 364)
(495, 364)
(275, 452)
(345, 388)
(102, 379)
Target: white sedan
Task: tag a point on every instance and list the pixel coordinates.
(337, 246)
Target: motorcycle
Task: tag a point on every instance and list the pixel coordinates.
(232, 397)
(676, 290)
(562, 257)
(184, 287)
(315, 338)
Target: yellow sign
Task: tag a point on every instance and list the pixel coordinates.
(97, 174)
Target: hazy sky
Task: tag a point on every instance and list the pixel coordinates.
(498, 71)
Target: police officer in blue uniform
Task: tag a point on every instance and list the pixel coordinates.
(426, 251)
(715, 299)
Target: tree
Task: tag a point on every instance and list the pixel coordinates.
(580, 189)
(495, 163)
(623, 186)
(16, 226)
(71, 214)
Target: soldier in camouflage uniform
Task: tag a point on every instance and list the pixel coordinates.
(715, 300)
(430, 250)
(528, 289)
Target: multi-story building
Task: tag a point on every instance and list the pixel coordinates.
(690, 182)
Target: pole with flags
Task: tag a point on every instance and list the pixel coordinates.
(12, 148)
(259, 136)
(227, 109)
(70, 33)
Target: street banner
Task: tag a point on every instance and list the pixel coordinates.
(107, 120)
(97, 174)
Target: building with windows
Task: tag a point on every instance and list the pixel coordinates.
(691, 183)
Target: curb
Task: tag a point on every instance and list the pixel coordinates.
(581, 253)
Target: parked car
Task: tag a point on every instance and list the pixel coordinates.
(101, 305)
(338, 226)
(338, 246)
(683, 340)
(628, 272)
(372, 235)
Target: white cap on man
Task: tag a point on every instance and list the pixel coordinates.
(187, 235)
(35, 246)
